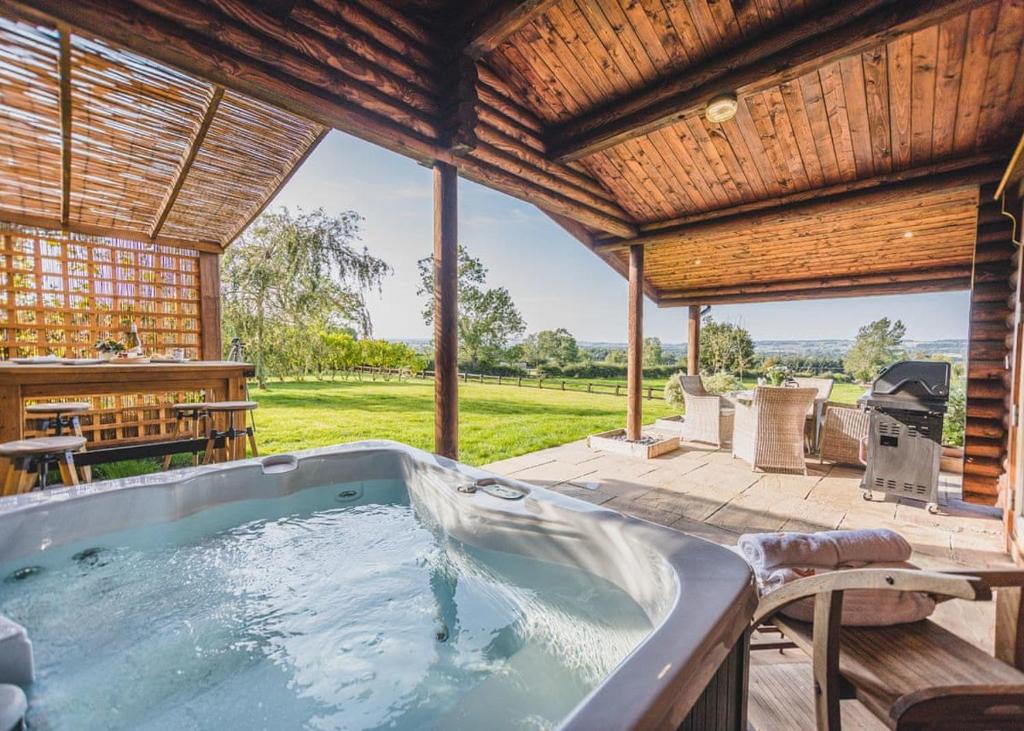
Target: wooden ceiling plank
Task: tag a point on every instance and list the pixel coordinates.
(1003, 73)
(711, 139)
(756, 105)
(817, 116)
(678, 160)
(626, 36)
(804, 137)
(502, 20)
(876, 94)
(648, 35)
(922, 94)
(949, 70)
(64, 100)
(620, 188)
(981, 26)
(186, 163)
(786, 137)
(834, 96)
(671, 37)
(899, 66)
(836, 30)
(852, 72)
(605, 34)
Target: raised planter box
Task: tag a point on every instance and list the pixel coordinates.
(613, 441)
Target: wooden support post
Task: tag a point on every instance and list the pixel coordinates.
(635, 362)
(693, 341)
(210, 345)
(446, 335)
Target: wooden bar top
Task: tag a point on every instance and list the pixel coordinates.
(11, 373)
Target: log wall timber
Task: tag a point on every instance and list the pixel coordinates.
(635, 345)
(990, 347)
(503, 19)
(838, 30)
(446, 312)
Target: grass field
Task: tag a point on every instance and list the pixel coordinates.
(496, 422)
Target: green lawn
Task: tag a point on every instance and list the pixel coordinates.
(495, 422)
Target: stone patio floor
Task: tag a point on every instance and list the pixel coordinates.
(703, 491)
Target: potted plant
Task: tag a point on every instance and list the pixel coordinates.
(777, 374)
(109, 348)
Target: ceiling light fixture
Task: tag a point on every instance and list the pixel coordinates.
(721, 108)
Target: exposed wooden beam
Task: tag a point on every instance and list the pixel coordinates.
(210, 345)
(188, 159)
(446, 311)
(971, 171)
(680, 299)
(835, 30)
(503, 19)
(64, 97)
(54, 224)
(635, 345)
(693, 340)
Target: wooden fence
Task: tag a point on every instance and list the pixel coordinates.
(552, 384)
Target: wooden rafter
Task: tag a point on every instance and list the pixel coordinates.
(186, 163)
(968, 171)
(839, 29)
(503, 19)
(53, 224)
(64, 96)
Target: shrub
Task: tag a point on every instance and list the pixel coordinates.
(956, 416)
(722, 382)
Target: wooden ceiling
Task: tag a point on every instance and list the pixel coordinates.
(594, 111)
(99, 140)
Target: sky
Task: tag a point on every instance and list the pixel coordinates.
(552, 278)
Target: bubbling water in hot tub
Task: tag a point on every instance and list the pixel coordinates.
(335, 607)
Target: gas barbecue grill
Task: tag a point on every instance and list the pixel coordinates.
(906, 405)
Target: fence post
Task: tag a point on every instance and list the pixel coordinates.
(499, 380)
(590, 388)
(649, 396)
(540, 383)
(519, 381)
(481, 378)
(563, 385)
(616, 389)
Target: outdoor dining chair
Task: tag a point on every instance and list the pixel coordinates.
(816, 415)
(769, 432)
(705, 419)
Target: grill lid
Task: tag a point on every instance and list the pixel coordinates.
(915, 385)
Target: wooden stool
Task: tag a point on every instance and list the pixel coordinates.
(60, 418)
(24, 454)
(234, 436)
(186, 424)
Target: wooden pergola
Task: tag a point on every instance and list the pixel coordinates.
(867, 140)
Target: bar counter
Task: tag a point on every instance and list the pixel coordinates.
(219, 380)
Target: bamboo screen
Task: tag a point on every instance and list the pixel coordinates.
(61, 293)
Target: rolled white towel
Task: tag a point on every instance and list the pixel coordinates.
(861, 607)
(768, 551)
(875, 545)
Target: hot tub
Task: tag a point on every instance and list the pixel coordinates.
(363, 586)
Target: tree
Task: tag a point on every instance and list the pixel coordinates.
(488, 318)
(290, 277)
(724, 347)
(616, 356)
(878, 344)
(551, 346)
(652, 353)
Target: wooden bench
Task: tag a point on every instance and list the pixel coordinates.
(910, 676)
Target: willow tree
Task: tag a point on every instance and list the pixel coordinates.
(290, 277)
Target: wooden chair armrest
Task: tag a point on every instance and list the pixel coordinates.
(941, 584)
(993, 578)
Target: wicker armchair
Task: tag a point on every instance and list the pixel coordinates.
(705, 419)
(844, 429)
(824, 388)
(769, 433)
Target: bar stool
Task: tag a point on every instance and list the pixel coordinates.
(234, 437)
(26, 454)
(187, 417)
(61, 418)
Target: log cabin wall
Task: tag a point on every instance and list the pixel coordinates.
(990, 348)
